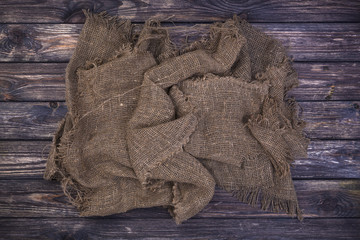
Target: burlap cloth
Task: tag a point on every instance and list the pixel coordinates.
(152, 124)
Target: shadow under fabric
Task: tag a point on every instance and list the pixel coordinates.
(149, 124)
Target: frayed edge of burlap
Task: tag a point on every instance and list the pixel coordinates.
(111, 22)
(210, 42)
(268, 201)
(295, 123)
(154, 184)
(281, 166)
(173, 208)
(152, 29)
(170, 47)
(76, 194)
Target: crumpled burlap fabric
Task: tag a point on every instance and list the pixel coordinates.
(150, 124)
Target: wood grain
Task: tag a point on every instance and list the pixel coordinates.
(220, 229)
(45, 81)
(32, 81)
(53, 11)
(39, 120)
(326, 159)
(305, 42)
(37, 39)
(320, 198)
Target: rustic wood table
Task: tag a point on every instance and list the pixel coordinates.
(37, 38)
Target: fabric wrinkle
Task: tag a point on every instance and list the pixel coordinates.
(151, 124)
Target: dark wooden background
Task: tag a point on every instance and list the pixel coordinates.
(37, 38)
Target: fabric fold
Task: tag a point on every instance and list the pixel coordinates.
(151, 124)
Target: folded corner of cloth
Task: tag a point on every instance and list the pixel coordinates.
(153, 124)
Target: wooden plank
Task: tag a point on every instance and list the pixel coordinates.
(45, 81)
(329, 159)
(31, 120)
(332, 120)
(320, 198)
(104, 228)
(327, 81)
(39, 120)
(326, 159)
(52, 11)
(32, 81)
(305, 42)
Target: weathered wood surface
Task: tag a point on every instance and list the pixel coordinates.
(337, 159)
(45, 81)
(305, 42)
(39, 120)
(55, 11)
(105, 228)
(320, 198)
(37, 39)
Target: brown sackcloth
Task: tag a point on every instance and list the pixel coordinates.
(150, 124)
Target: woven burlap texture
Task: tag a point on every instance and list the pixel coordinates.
(152, 124)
